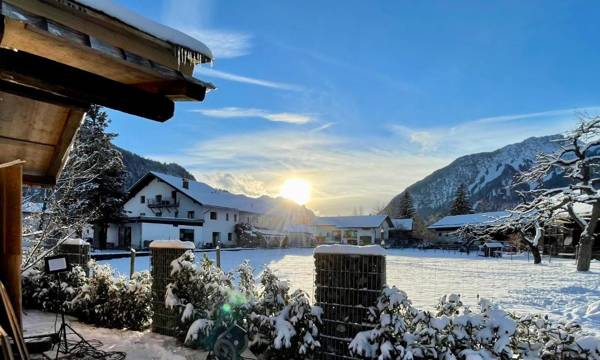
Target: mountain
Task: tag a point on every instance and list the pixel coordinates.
(489, 176)
(137, 166)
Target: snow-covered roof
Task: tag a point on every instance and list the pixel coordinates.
(493, 244)
(361, 221)
(270, 232)
(172, 244)
(207, 195)
(74, 242)
(403, 224)
(147, 26)
(376, 250)
(298, 228)
(457, 221)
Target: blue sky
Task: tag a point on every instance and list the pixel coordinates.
(364, 98)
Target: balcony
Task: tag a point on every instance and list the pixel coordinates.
(170, 203)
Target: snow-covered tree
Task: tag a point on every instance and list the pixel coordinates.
(578, 161)
(405, 208)
(461, 204)
(101, 195)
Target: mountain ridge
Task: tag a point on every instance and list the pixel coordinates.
(489, 176)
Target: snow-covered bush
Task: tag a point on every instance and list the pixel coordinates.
(457, 332)
(50, 292)
(99, 298)
(281, 325)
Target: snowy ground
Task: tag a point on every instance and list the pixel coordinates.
(517, 284)
(138, 345)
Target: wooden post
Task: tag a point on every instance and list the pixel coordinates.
(11, 177)
(132, 263)
(218, 250)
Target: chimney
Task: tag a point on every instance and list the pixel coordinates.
(186, 184)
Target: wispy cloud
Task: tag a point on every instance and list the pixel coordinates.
(490, 133)
(235, 112)
(193, 17)
(223, 44)
(206, 71)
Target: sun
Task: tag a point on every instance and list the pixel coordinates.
(297, 190)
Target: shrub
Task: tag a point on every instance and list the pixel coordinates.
(101, 298)
(278, 324)
(456, 332)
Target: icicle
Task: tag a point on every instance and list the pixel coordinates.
(186, 56)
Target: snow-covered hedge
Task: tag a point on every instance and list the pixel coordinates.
(454, 331)
(101, 298)
(280, 325)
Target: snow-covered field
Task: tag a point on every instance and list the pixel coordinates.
(516, 284)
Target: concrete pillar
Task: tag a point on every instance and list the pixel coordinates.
(163, 252)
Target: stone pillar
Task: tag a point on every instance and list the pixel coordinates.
(77, 252)
(348, 279)
(163, 252)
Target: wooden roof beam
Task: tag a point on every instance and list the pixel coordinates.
(42, 75)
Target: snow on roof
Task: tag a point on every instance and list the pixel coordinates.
(208, 195)
(147, 26)
(270, 232)
(492, 244)
(172, 244)
(403, 224)
(457, 221)
(298, 228)
(361, 221)
(375, 250)
(74, 242)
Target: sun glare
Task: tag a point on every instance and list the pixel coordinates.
(297, 190)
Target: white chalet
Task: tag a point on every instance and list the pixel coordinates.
(165, 207)
(355, 230)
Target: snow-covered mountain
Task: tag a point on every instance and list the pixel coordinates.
(489, 177)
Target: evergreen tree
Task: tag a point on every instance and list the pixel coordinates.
(405, 208)
(461, 204)
(92, 181)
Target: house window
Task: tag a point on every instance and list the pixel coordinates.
(142, 199)
(216, 237)
(186, 184)
(158, 198)
(227, 217)
(190, 215)
(213, 215)
(186, 234)
(235, 217)
(176, 213)
(174, 195)
(158, 214)
(229, 236)
(142, 214)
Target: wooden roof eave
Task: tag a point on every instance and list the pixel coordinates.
(157, 79)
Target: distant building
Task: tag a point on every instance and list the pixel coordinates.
(354, 230)
(446, 227)
(165, 207)
(402, 233)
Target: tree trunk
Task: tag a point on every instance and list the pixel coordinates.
(584, 252)
(535, 251)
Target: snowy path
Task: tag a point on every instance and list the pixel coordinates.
(516, 284)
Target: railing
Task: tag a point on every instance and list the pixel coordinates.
(153, 203)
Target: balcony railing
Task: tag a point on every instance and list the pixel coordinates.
(170, 203)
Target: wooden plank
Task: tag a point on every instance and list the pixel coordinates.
(43, 96)
(10, 233)
(61, 150)
(46, 75)
(38, 157)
